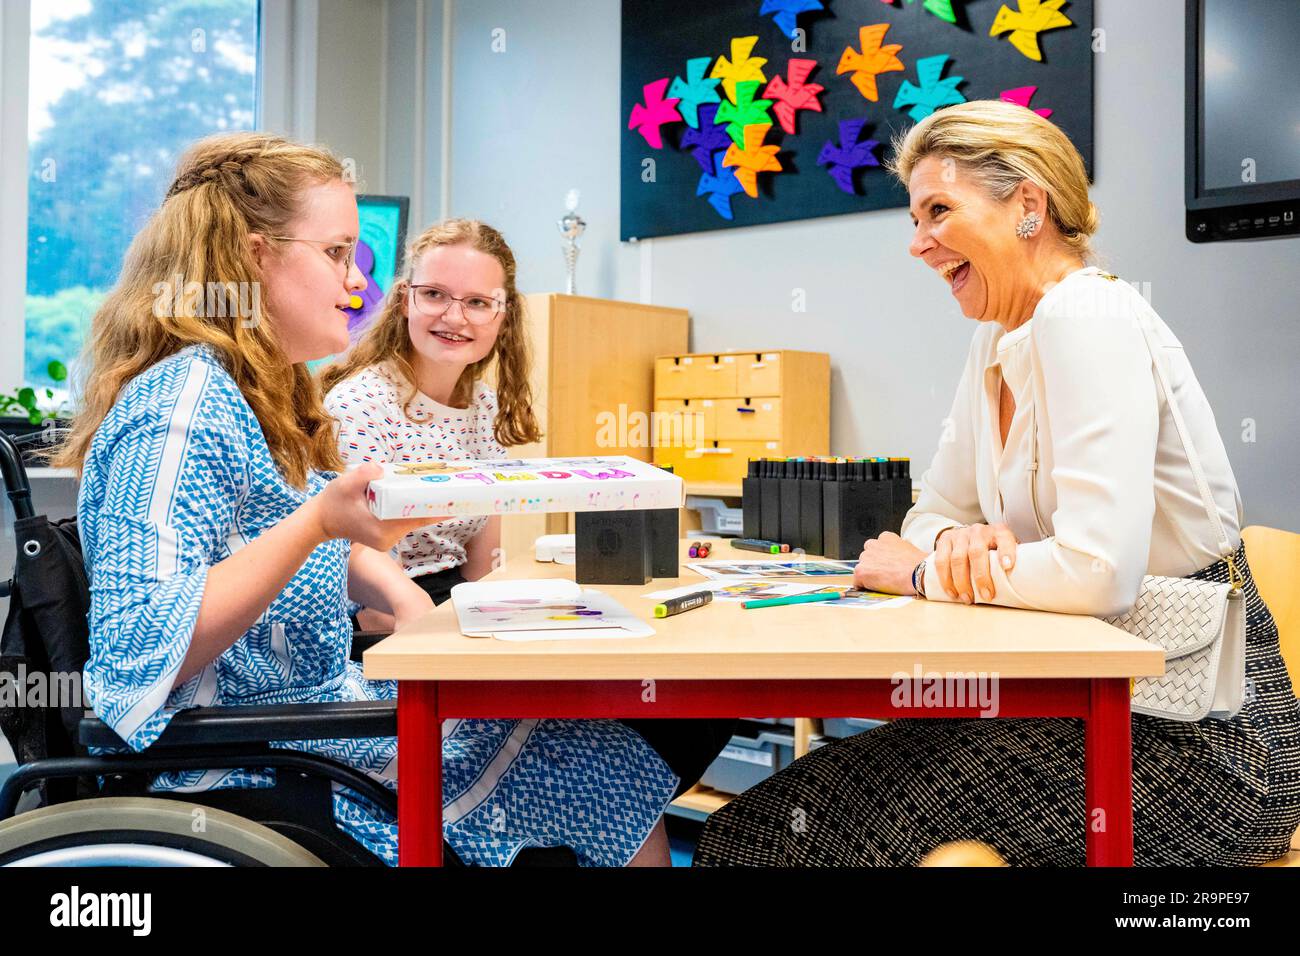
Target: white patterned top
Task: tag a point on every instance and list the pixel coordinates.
(373, 427)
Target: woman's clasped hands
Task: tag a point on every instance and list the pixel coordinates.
(962, 557)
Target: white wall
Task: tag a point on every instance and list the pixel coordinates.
(413, 104)
(350, 66)
(541, 117)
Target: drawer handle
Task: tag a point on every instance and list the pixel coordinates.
(747, 411)
(715, 451)
(758, 365)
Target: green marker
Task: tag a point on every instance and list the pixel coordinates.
(792, 599)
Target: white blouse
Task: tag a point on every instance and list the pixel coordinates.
(1115, 490)
(374, 427)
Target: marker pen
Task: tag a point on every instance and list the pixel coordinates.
(792, 599)
(758, 544)
(686, 602)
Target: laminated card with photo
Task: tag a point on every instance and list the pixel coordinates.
(541, 610)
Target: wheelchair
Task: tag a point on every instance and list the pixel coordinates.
(67, 806)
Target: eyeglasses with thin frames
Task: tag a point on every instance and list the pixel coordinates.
(351, 248)
(433, 301)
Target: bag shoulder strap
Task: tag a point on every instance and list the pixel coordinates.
(1193, 460)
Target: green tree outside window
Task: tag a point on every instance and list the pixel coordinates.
(149, 78)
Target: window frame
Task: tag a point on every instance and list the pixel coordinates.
(286, 103)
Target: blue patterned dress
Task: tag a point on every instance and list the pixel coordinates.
(178, 477)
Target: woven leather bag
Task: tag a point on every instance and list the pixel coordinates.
(1200, 624)
(1202, 627)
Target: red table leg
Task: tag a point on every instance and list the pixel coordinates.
(1108, 766)
(419, 774)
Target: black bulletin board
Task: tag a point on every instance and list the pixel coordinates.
(659, 197)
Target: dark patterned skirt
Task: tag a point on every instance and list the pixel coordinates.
(1214, 792)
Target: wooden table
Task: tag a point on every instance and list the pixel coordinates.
(723, 661)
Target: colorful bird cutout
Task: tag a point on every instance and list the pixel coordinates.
(648, 118)
(740, 67)
(872, 59)
(940, 8)
(746, 111)
(1021, 96)
(710, 136)
(795, 94)
(787, 10)
(933, 92)
(694, 89)
(1033, 17)
(849, 155)
(720, 185)
(755, 158)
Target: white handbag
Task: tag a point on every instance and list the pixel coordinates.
(1200, 624)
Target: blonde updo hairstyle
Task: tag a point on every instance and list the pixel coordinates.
(1000, 145)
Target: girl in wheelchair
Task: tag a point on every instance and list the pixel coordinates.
(226, 551)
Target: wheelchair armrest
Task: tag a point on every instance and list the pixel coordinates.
(260, 724)
(364, 640)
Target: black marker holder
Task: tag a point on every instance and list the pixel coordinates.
(612, 547)
(825, 507)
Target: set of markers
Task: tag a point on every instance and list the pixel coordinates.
(826, 506)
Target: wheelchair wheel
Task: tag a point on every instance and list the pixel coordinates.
(143, 831)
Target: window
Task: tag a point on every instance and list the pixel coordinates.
(118, 88)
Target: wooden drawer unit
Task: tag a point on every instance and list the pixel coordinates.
(724, 460)
(755, 404)
(748, 418)
(758, 373)
(719, 376)
(694, 376)
(685, 421)
(675, 377)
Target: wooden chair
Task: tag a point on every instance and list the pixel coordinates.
(963, 853)
(1274, 558)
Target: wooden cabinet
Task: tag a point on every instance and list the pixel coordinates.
(751, 419)
(593, 385)
(742, 405)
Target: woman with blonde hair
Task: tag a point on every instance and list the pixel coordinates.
(222, 547)
(1060, 481)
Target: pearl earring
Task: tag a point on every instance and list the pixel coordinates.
(1029, 225)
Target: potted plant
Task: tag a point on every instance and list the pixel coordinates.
(31, 419)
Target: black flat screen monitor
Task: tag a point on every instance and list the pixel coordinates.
(1243, 119)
